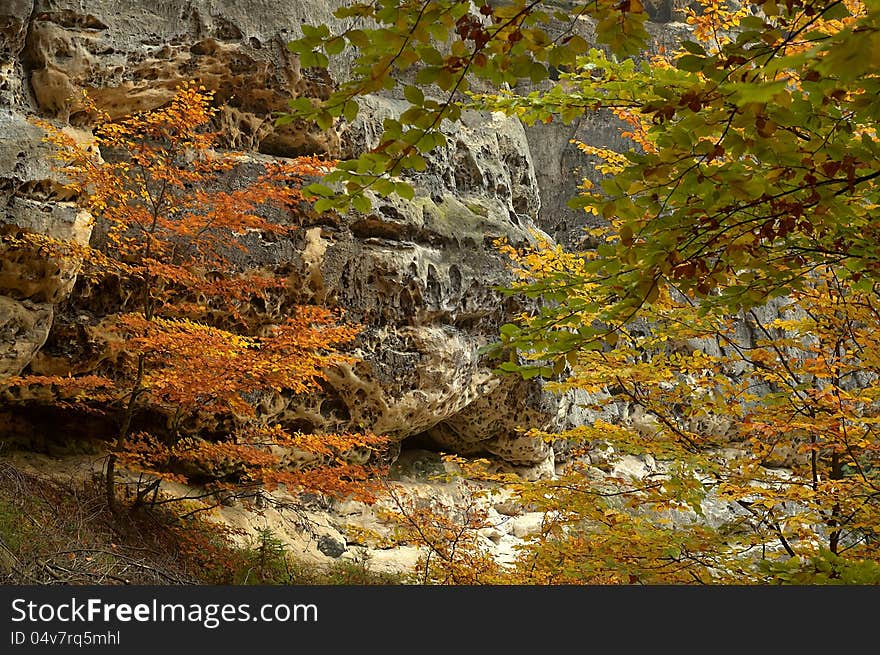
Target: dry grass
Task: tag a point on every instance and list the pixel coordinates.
(61, 531)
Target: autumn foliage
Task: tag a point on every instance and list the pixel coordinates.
(767, 408)
(720, 331)
(173, 216)
(726, 311)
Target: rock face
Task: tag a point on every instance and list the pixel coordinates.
(560, 165)
(419, 275)
(33, 200)
(24, 326)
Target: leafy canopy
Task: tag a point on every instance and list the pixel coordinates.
(765, 152)
(752, 177)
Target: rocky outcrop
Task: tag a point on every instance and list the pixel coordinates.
(131, 56)
(33, 200)
(419, 276)
(24, 327)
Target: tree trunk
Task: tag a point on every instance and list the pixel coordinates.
(124, 429)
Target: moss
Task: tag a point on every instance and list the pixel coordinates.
(477, 209)
(462, 220)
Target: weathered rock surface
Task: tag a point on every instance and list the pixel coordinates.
(560, 166)
(24, 327)
(25, 274)
(419, 276)
(33, 201)
(131, 56)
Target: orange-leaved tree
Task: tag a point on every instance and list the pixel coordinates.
(185, 340)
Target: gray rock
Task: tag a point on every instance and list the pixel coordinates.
(330, 546)
(419, 276)
(33, 201)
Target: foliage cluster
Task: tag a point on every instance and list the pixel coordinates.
(732, 301)
(187, 339)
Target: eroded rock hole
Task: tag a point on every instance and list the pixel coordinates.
(335, 408)
(455, 278)
(433, 284)
(301, 425)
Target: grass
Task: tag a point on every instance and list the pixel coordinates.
(268, 562)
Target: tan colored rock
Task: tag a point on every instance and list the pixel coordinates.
(24, 327)
(26, 274)
(33, 201)
(132, 56)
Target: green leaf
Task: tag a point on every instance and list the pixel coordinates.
(415, 162)
(324, 120)
(320, 190)
(315, 31)
(530, 372)
(335, 46)
(359, 39)
(761, 93)
(404, 190)
(577, 45)
(427, 75)
(415, 95)
(323, 205)
(509, 330)
(350, 110)
(836, 11)
(301, 106)
(383, 187)
(691, 63)
(361, 203)
(694, 48)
